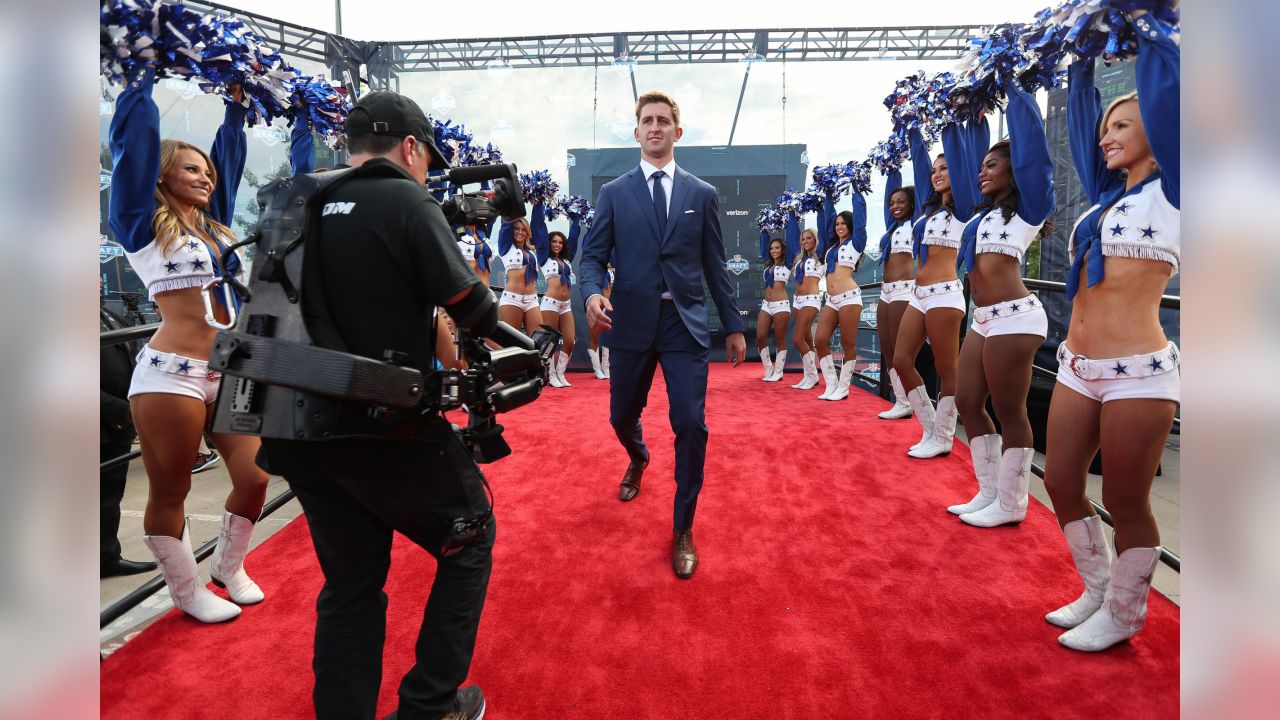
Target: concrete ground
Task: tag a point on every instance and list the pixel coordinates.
(209, 491)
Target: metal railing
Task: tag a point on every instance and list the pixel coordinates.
(118, 608)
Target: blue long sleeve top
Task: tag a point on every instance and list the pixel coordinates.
(857, 237)
(988, 231)
(1143, 221)
(302, 156)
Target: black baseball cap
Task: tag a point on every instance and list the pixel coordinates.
(394, 115)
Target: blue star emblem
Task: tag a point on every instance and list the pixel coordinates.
(1120, 369)
(197, 264)
(193, 245)
(155, 361)
(945, 232)
(947, 286)
(988, 220)
(1123, 208)
(1014, 307)
(995, 311)
(1031, 302)
(171, 266)
(1149, 232)
(1116, 231)
(1156, 364)
(985, 235)
(933, 290)
(1004, 236)
(184, 367)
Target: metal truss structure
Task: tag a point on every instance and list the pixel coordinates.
(386, 60)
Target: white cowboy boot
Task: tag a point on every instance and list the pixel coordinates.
(922, 408)
(595, 362)
(1092, 555)
(226, 567)
(1124, 609)
(1011, 491)
(779, 366)
(554, 377)
(604, 361)
(901, 408)
(767, 363)
(985, 450)
(810, 379)
(842, 385)
(944, 430)
(178, 566)
(828, 367)
(560, 368)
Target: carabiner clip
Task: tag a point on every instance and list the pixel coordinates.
(206, 292)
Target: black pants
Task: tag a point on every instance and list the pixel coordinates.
(352, 518)
(111, 492)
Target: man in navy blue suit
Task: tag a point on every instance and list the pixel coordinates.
(664, 225)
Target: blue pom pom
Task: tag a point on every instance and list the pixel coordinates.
(538, 187)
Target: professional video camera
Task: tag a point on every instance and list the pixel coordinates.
(289, 380)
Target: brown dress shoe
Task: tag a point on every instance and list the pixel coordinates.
(685, 560)
(630, 486)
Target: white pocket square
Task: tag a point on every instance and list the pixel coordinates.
(687, 212)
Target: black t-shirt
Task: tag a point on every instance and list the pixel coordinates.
(386, 258)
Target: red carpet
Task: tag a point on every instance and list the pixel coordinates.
(833, 584)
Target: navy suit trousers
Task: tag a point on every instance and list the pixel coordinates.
(684, 367)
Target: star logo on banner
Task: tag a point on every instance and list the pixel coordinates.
(1156, 364)
(155, 361)
(184, 367)
(171, 266)
(1149, 232)
(197, 264)
(1121, 369)
(1123, 208)
(1117, 231)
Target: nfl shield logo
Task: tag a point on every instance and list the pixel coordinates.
(737, 265)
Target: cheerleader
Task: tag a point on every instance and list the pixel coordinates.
(937, 303)
(599, 354)
(902, 204)
(556, 311)
(518, 306)
(807, 272)
(476, 251)
(775, 309)
(1009, 324)
(1118, 384)
(169, 206)
(844, 298)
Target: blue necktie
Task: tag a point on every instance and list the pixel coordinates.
(660, 202)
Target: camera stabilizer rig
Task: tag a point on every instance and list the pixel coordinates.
(291, 379)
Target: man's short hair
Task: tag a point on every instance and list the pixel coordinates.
(372, 144)
(654, 96)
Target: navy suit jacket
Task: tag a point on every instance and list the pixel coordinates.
(690, 250)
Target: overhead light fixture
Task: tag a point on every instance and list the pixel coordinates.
(759, 49)
(623, 63)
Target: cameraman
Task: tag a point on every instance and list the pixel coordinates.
(384, 259)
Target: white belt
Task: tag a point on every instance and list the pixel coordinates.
(1134, 366)
(1006, 309)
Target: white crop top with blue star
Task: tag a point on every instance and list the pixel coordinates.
(900, 240)
(1142, 225)
(943, 229)
(781, 273)
(189, 264)
(847, 255)
(468, 248)
(1012, 238)
(551, 268)
(513, 259)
